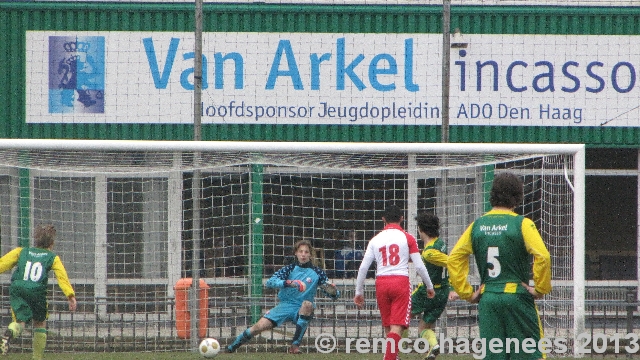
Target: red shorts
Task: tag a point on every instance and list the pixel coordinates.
(393, 293)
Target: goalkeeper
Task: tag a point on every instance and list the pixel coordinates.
(502, 243)
(298, 284)
(434, 257)
(28, 290)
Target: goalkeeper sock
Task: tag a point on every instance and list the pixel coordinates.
(301, 328)
(39, 343)
(241, 339)
(430, 336)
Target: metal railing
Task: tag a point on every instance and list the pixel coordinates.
(155, 330)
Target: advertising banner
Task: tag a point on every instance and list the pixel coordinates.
(331, 78)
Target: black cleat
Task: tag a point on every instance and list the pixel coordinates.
(433, 352)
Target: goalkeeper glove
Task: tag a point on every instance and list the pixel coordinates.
(298, 284)
(331, 290)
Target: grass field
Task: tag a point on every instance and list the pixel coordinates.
(239, 356)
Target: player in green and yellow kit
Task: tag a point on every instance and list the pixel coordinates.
(434, 257)
(28, 290)
(503, 242)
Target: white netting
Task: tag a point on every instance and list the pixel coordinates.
(126, 221)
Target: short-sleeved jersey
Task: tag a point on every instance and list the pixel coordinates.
(434, 257)
(32, 269)
(311, 275)
(391, 249)
(500, 251)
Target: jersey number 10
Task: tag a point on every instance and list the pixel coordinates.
(32, 271)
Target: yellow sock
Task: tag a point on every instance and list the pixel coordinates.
(16, 329)
(39, 343)
(405, 333)
(430, 336)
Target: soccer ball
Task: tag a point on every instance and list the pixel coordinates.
(209, 348)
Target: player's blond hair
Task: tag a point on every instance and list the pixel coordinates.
(44, 236)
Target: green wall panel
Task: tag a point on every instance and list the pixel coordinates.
(17, 18)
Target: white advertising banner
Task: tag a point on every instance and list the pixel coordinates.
(332, 79)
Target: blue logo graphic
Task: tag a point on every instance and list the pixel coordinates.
(76, 74)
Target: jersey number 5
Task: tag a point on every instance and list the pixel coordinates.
(393, 258)
(32, 271)
(492, 258)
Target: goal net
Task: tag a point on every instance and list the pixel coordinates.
(152, 232)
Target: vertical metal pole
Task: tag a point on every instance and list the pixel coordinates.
(197, 75)
(630, 308)
(446, 60)
(25, 207)
(638, 233)
(256, 258)
(578, 250)
(197, 136)
(195, 261)
(631, 300)
(412, 208)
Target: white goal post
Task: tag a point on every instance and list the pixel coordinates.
(128, 223)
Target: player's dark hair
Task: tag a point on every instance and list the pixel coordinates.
(44, 236)
(428, 224)
(392, 214)
(507, 190)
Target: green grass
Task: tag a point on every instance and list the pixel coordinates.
(237, 356)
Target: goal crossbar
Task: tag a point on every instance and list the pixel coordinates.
(289, 147)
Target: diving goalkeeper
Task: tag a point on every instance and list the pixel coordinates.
(298, 284)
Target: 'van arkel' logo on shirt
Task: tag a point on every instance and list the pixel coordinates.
(493, 229)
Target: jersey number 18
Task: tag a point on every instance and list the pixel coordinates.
(393, 256)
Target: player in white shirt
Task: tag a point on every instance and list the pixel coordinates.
(392, 249)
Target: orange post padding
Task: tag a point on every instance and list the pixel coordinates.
(183, 315)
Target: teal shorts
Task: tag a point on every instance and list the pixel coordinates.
(28, 303)
(431, 309)
(283, 312)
